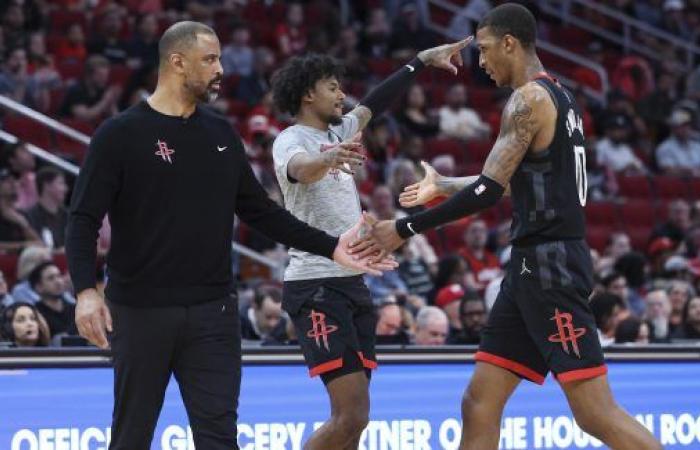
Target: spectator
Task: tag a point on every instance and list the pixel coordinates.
(431, 326)
(91, 100)
(673, 19)
(143, 48)
(292, 35)
(656, 108)
(252, 89)
(679, 155)
(445, 165)
(615, 283)
(620, 104)
(14, 25)
(415, 272)
(402, 171)
(347, 51)
(451, 269)
(658, 313)
(15, 231)
(237, 57)
(20, 162)
(448, 299)
(415, 116)
(46, 280)
(588, 77)
(48, 217)
(634, 77)
(24, 326)
(17, 83)
(72, 49)
(263, 315)
(483, 264)
(690, 326)
(29, 259)
(5, 297)
(632, 330)
(459, 121)
(472, 315)
(679, 293)
(618, 245)
(608, 310)
(633, 267)
(107, 41)
(409, 34)
(677, 224)
(614, 150)
(390, 329)
(375, 42)
(389, 283)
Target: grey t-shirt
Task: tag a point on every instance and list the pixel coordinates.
(331, 204)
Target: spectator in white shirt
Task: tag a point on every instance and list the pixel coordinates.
(458, 121)
(679, 154)
(614, 151)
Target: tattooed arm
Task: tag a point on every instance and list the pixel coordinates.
(528, 109)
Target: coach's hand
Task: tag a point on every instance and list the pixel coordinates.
(370, 263)
(422, 192)
(93, 318)
(444, 55)
(381, 240)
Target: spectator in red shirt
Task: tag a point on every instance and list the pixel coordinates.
(483, 264)
(292, 35)
(72, 48)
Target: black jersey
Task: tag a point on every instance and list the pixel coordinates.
(549, 189)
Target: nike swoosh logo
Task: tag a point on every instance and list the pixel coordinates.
(410, 68)
(409, 225)
(221, 149)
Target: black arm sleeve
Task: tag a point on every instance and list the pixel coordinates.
(379, 98)
(481, 194)
(256, 209)
(95, 189)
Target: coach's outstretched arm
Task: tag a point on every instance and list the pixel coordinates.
(523, 117)
(446, 57)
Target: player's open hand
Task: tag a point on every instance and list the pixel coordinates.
(447, 56)
(345, 155)
(422, 192)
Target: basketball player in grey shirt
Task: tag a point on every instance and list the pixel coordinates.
(314, 160)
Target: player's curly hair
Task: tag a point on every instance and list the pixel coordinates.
(298, 76)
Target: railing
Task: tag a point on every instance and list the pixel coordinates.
(276, 267)
(631, 27)
(560, 52)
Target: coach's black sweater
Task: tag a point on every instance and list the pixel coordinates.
(171, 187)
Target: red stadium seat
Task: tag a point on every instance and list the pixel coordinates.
(694, 187)
(636, 186)
(601, 213)
(381, 66)
(597, 236)
(639, 237)
(8, 266)
(671, 187)
(478, 150)
(70, 70)
(119, 74)
(480, 98)
(638, 213)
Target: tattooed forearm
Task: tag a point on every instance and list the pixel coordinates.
(363, 114)
(518, 128)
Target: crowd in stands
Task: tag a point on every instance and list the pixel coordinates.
(82, 61)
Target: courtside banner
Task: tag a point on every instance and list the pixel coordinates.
(414, 407)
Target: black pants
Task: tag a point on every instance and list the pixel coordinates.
(201, 345)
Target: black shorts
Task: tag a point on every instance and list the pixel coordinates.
(335, 322)
(541, 320)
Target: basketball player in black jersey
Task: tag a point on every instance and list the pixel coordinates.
(541, 320)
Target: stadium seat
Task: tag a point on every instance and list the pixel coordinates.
(478, 150)
(671, 187)
(634, 186)
(601, 213)
(597, 236)
(8, 265)
(435, 147)
(638, 213)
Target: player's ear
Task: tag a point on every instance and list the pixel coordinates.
(309, 96)
(509, 43)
